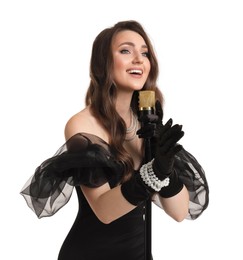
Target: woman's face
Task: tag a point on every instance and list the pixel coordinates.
(131, 64)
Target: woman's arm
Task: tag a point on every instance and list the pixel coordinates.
(110, 204)
(177, 206)
(107, 204)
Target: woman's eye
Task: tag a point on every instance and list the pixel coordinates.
(145, 54)
(124, 51)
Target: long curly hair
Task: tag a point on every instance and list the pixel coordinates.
(101, 94)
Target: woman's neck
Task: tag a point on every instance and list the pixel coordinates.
(124, 110)
(123, 103)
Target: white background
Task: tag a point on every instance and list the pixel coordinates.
(44, 73)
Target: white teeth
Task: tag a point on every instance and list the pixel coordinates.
(135, 71)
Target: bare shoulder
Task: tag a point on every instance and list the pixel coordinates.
(83, 122)
(77, 123)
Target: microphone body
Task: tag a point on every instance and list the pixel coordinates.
(147, 107)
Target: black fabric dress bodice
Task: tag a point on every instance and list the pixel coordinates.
(90, 239)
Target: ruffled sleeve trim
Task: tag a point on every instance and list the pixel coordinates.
(84, 159)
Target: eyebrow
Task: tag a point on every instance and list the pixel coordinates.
(132, 44)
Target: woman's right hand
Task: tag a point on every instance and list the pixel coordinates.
(166, 148)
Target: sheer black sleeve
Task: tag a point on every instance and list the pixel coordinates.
(193, 176)
(83, 159)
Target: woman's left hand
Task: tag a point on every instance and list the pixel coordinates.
(151, 123)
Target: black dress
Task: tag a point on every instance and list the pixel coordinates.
(91, 239)
(88, 160)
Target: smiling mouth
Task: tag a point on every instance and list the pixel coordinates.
(135, 72)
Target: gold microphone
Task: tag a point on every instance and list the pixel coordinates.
(146, 102)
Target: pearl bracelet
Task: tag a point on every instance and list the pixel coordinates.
(148, 176)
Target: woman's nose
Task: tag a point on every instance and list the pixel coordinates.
(138, 58)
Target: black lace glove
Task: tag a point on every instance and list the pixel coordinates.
(163, 164)
(166, 148)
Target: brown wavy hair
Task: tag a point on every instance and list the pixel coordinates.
(101, 94)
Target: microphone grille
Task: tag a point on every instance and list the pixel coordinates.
(146, 99)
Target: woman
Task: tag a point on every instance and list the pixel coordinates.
(103, 157)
